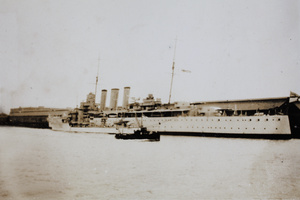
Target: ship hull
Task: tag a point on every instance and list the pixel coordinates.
(94, 130)
(39, 121)
(231, 135)
(272, 127)
(57, 124)
(275, 126)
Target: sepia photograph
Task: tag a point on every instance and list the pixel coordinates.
(149, 99)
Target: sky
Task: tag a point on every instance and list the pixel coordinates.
(234, 49)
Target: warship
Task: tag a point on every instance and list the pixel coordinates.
(258, 118)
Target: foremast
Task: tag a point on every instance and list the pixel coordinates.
(97, 79)
(173, 67)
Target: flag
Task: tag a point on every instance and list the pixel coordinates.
(185, 70)
(293, 94)
(293, 97)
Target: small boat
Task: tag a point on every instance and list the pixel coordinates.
(141, 133)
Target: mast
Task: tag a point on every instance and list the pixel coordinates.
(97, 78)
(173, 67)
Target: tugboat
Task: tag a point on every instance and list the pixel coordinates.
(141, 133)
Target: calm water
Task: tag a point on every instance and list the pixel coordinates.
(42, 164)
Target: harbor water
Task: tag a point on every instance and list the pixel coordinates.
(45, 164)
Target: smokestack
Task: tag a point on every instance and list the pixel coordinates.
(114, 98)
(126, 97)
(103, 99)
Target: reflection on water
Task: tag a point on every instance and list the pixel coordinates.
(43, 164)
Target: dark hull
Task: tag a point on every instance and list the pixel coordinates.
(294, 118)
(4, 120)
(151, 136)
(29, 121)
